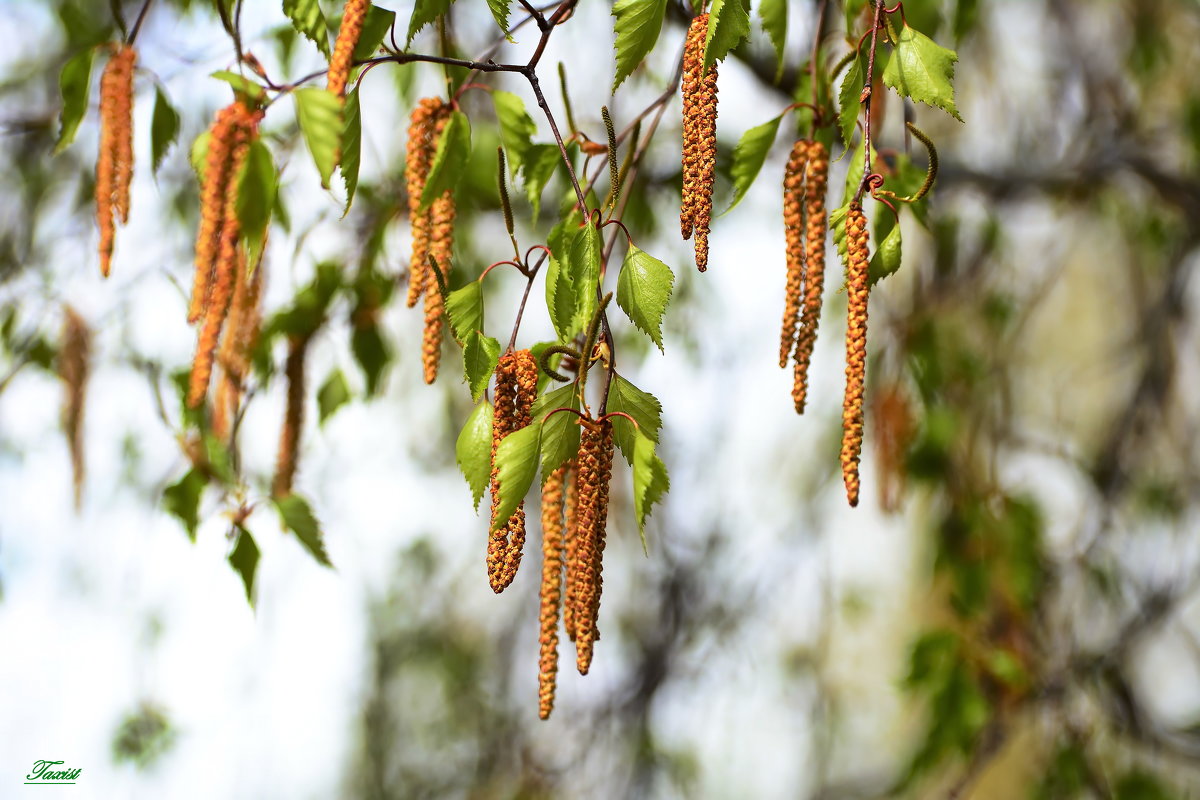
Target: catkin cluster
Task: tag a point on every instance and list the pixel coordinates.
(217, 257)
(699, 140)
(114, 164)
(347, 40)
(812, 270)
(432, 227)
(586, 538)
(293, 418)
(516, 390)
(551, 591)
(74, 362)
(237, 344)
(857, 291)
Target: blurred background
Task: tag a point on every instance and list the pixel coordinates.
(1012, 611)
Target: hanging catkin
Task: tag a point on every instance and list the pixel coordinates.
(237, 344)
(422, 144)
(571, 552)
(699, 140)
(595, 466)
(114, 162)
(857, 290)
(293, 418)
(815, 226)
(793, 231)
(516, 389)
(441, 247)
(551, 591)
(73, 367)
(347, 39)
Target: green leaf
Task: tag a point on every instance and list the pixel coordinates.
(473, 450)
(637, 27)
(516, 128)
(198, 155)
(450, 160)
(164, 130)
(425, 12)
(333, 394)
(217, 459)
(923, 70)
(319, 112)
(541, 160)
(560, 299)
(854, 10)
(75, 81)
(241, 84)
(643, 291)
(500, 14)
(183, 500)
(256, 197)
(728, 26)
(848, 98)
(375, 27)
(643, 407)
(584, 270)
(297, 517)
(749, 156)
(372, 354)
(480, 356)
(516, 464)
(560, 433)
(464, 307)
(351, 146)
(309, 22)
(774, 21)
(650, 481)
(886, 259)
(244, 560)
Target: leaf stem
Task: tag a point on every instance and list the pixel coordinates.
(866, 102)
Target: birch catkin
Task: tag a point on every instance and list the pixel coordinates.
(418, 159)
(237, 344)
(293, 419)
(514, 396)
(441, 247)
(347, 40)
(699, 140)
(551, 592)
(793, 231)
(815, 226)
(73, 367)
(857, 290)
(114, 163)
(571, 552)
(595, 466)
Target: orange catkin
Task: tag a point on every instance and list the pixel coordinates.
(595, 468)
(793, 230)
(857, 291)
(551, 591)
(293, 419)
(73, 367)
(441, 247)
(699, 140)
(422, 144)
(816, 225)
(516, 389)
(114, 163)
(571, 551)
(347, 39)
(237, 343)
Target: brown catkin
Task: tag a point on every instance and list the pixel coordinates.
(347, 40)
(857, 290)
(114, 162)
(126, 58)
(422, 144)
(816, 224)
(293, 418)
(551, 591)
(514, 396)
(793, 231)
(441, 247)
(73, 367)
(595, 466)
(237, 344)
(699, 140)
(571, 551)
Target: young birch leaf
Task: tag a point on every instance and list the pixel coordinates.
(372, 353)
(774, 21)
(516, 128)
(198, 155)
(516, 464)
(319, 113)
(480, 356)
(425, 12)
(749, 156)
(309, 22)
(584, 267)
(182, 499)
(541, 160)
(499, 10)
(297, 517)
(560, 433)
(473, 450)
(848, 99)
(643, 407)
(241, 83)
(650, 481)
(922, 70)
(164, 130)
(450, 160)
(75, 82)
(244, 560)
(728, 25)
(333, 394)
(837, 224)
(560, 299)
(464, 307)
(256, 197)
(886, 259)
(637, 27)
(643, 290)
(375, 27)
(351, 147)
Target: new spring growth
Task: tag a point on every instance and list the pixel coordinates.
(699, 140)
(857, 291)
(353, 16)
(816, 224)
(550, 595)
(515, 392)
(114, 163)
(614, 175)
